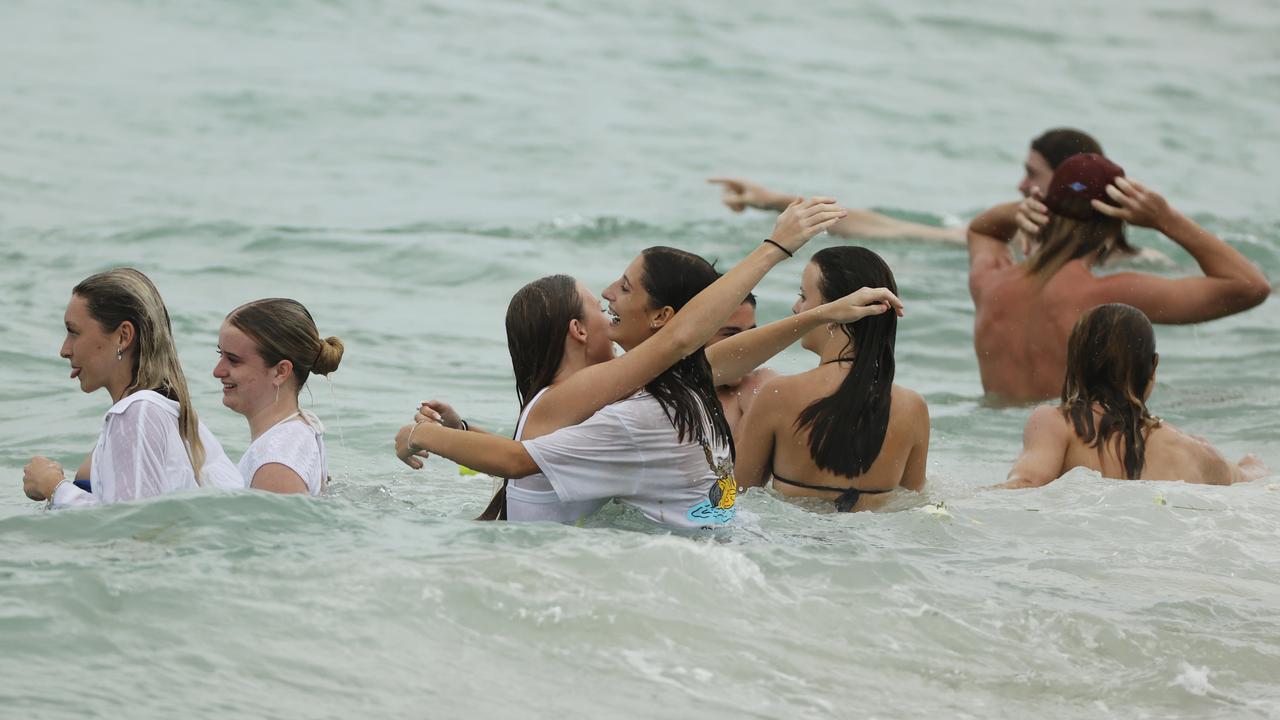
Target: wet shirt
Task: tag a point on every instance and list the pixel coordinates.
(630, 451)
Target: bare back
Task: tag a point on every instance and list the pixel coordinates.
(737, 399)
(1051, 448)
(901, 460)
(1021, 327)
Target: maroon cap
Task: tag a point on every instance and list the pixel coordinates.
(1079, 179)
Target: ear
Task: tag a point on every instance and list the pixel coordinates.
(661, 317)
(125, 335)
(1155, 362)
(281, 372)
(577, 331)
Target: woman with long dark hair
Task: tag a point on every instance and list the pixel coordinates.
(1103, 423)
(645, 427)
(842, 431)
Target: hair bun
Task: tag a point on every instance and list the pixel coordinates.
(329, 357)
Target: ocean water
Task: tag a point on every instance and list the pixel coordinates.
(402, 167)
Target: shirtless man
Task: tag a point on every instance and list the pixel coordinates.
(1024, 311)
(736, 398)
(1046, 153)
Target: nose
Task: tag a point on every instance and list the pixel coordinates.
(795, 307)
(609, 294)
(65, 350)
(220, 368)
(1024, 187)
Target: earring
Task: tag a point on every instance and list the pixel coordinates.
(831, 330)
(119, 354)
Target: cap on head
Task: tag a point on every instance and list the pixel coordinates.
(1078, 180)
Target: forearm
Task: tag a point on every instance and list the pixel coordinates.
(705, 313)
(736, 356)
(1215, 257)
(871, 224)
(486, 453)
(1000, 222)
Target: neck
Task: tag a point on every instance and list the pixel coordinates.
(837, 348)
(574, 359)
(118, 385)
(266, 417)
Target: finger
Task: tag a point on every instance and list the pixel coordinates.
(1121, 197)
(884, 295)
(414, 463)
(728, 182)
(1109, 210)
(821, 227)
(820, 200)
(1036, 205)
(825, 216)
(1028, 228)
(423, 453)
(1036, 192)
(736, 206)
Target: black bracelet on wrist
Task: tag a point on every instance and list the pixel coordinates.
(465, 426)
(771, 242)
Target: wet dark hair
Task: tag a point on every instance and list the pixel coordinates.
(750, 300)
(1110, 358)
(1058, 144)
(685, 390)
(537, 318)
(847, 428)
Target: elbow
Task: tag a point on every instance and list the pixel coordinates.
(518, 463)
(685, 343)
(1256, 292)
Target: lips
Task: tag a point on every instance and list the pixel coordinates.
(226, 388)
(614, 318)
(75, 372)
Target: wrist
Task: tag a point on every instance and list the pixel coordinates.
(780, 249)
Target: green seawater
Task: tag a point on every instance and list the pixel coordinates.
(402, 167)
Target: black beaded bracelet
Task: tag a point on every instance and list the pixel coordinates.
(771, 242)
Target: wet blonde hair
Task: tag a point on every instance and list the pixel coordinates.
(124, 294)
(282, 329)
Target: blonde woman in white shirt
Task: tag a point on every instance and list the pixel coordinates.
(268, 349)
(119, 338)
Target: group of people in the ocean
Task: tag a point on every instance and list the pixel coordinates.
(686, 417)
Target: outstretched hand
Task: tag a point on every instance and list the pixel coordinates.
(439, 412)
(862, 303)
(804, 219)
(1134, 204)
(738, 194)
(408, 454)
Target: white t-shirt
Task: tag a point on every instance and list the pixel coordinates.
(531, 498)
(297, 442)
(630, 451)
(140, 454)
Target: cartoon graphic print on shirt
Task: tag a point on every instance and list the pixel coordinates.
(718, 508)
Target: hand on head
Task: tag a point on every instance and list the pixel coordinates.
(862, 303)
(1134, 203)
(1032, 216)
(803, 219)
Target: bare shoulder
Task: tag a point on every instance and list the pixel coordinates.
(1194, 453)
(757, 380)
(1048, 420)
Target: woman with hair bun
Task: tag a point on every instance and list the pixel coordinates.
(1102, 422)
(843, 431)
(268, 349)
(119, 338)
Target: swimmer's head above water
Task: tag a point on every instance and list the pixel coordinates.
(547, 320)
(1075, 228)
(268, 348)
(1111, 365)
(1050, 150)
(849, 426)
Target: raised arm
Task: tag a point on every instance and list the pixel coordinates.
(735, 356)
(1231, 283)
(588, 390)
(738, 194)
(988, 239)
(1044, 449)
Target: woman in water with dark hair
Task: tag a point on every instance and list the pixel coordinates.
(842, 431)
(1102, 422)
(659, 441)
